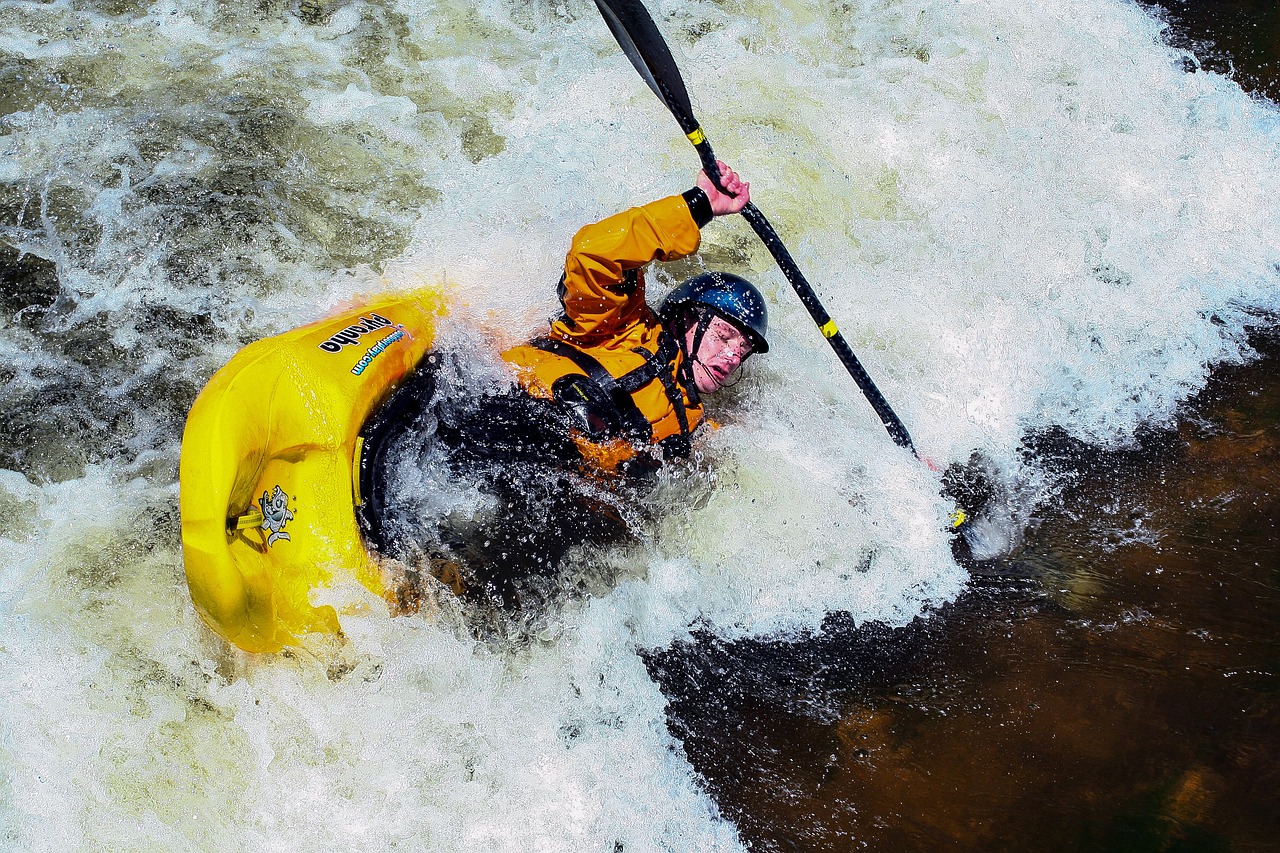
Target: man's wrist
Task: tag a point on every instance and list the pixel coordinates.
(699, 206)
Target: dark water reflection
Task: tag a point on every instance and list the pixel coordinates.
(1114, 686)
(1239, 38)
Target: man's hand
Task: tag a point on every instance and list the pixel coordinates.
(722, 204)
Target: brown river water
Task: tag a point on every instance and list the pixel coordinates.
(1113, 685)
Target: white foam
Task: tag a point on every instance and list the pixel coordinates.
(1021, 215)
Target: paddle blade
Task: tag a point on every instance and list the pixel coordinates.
(640, 40)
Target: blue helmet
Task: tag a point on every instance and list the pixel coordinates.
(727, 295)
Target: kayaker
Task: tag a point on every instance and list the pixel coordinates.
(612, 389)
(623, 370)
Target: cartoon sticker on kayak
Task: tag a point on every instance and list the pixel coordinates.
(275, 515)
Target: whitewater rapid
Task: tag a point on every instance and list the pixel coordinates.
(1023, 216)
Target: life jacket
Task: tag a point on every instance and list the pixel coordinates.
(608, 407)
(607, 358)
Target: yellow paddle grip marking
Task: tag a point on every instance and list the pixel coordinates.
(697, 137)
(829, 329)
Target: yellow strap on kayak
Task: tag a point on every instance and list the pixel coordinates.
(252, 518)
(829, 329)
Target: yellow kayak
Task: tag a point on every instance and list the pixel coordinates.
(268, 482)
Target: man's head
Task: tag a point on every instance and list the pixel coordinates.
(719, 319)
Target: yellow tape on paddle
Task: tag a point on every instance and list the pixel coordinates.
(829, 329)
(697, 137)
(958, 518)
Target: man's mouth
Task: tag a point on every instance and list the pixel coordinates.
(714, 375)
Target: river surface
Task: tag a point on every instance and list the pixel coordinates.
(1050, 232)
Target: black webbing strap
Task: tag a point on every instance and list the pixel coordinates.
(630, 415)
(660, 362)
(686, 367)
(656, 364)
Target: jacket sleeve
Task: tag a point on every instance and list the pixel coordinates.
(600, 299)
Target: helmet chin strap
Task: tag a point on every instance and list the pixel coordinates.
(691, 352)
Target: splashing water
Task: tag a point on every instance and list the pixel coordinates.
(1024, 217)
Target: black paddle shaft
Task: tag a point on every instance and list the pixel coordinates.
(640, 40)
(827, 326)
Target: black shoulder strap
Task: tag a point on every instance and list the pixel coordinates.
(660, 365)
(630, 415)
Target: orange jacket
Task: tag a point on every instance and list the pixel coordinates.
(605, 314)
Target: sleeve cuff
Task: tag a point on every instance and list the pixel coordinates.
(699, 206)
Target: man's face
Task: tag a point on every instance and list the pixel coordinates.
(721, 352)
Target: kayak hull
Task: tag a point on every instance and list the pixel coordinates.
(268, 486)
